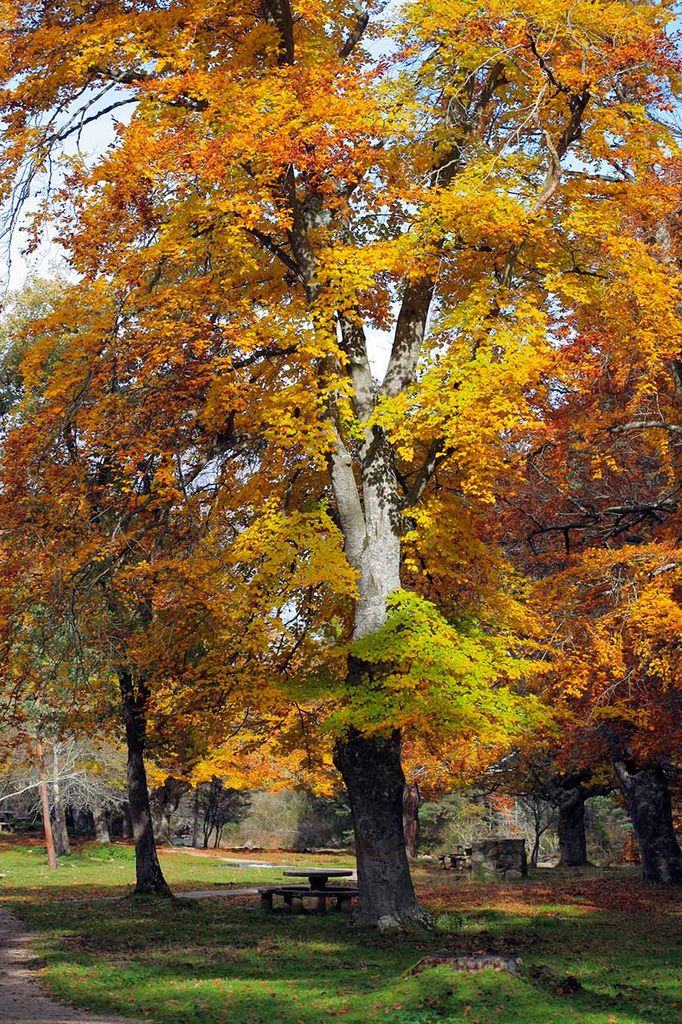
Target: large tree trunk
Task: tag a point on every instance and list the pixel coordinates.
(164, 803)
(45, 805)
(648, 800)
(101, 828)
(370, 765)
(411, 797)
(572, 838)
(149, 877)
(61, 834)
(373, 775)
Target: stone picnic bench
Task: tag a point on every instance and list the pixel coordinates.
(316, 893)
(495, 857)
(459, 859)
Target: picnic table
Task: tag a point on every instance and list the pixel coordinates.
(318, 877)
(460, 858)
(317, 890)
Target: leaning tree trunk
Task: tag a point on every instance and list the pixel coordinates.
(61, 834)
(148, 874)
(411, 797)
(648, 800)
(572, 838)
(45, 805)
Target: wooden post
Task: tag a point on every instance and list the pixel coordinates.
(44, 803)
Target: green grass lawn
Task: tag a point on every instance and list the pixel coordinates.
(225, 960)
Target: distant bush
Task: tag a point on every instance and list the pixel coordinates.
(100, 853)
(291, 820)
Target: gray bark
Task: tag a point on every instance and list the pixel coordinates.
(101, 827)
(411, 799)
(195, 818)
(61, 834)
(647, 796)
(164, 803)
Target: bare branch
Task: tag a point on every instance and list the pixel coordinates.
(354, 344)
(436, 456)
(356, 33)
(278, 13)
(273, 247)
(646, 425)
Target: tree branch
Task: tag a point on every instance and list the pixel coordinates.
(646, 425)
(356, 33)
(269, 243)
(348, 503)
(354, 344)
(435, 457)
(418, 294)
(278, 13)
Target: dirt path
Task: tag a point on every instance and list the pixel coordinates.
(21, 997)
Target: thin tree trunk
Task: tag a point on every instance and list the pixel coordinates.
(648, 800)
(195, 822)
(127, 823)
(45, 805)
(539, 832)
(148, 874)
(535, 853)
(374, 778)
(411, 797)
(572, 838)
(101, 827)
(61, 834)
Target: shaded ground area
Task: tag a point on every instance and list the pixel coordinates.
(21, 996)
(596, 948)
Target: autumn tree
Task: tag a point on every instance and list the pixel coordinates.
(561, 773)
(600, 511)
(295, 176)
(126, 559)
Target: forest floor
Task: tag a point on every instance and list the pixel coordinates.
(596, 947)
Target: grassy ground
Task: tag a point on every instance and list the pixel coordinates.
(224, 960)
